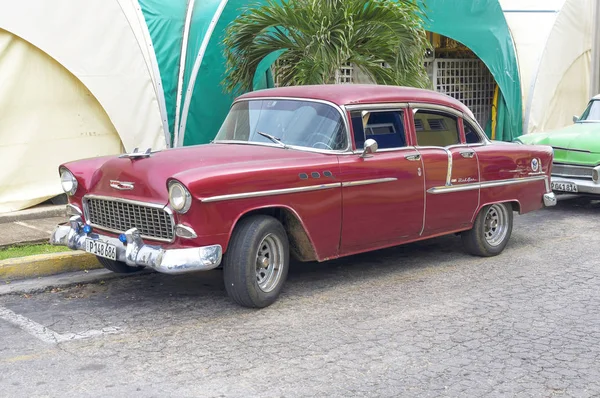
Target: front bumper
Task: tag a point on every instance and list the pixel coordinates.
(583, 186)
(136, 253)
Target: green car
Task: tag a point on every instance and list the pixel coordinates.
(576, 152)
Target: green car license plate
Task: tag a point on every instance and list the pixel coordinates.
(564, 187)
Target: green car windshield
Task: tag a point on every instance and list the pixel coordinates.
(591, 113)
(288, 123)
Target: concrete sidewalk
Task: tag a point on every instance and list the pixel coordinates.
(34, 226)
(30, 226)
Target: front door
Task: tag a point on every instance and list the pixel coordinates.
(451, 171)
(382, 194)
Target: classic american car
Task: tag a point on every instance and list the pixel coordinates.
(576, 165)
(315, 172)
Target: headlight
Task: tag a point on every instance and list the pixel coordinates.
(179, 197)
(68, 182)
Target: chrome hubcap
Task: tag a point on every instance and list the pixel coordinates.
(496, 224)
(269, 263)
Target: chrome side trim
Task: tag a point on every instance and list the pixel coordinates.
(449, 173)
(367, 182)
(571, 149)
(421, 105)
(486, 184)
(272, 192)
(382, 107)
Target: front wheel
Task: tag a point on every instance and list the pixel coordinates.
(491, 230)
(256, 263)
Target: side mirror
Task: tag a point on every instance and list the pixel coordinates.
(575, 119)
(370, 148)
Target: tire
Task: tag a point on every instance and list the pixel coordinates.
(491, 230)
(256, 263)
(118, 267)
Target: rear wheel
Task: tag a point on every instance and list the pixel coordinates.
(491, 230)
(117, 266)
(256, 263)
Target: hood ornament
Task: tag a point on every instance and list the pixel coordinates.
(122, 185)
(136, 154)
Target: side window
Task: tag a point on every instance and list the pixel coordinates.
(436, 128)
(471, 133)
(387, 128)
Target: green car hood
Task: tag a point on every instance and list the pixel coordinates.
(578, 143)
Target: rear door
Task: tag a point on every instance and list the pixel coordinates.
(451, 169)
(382, 193)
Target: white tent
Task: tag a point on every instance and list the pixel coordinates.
(67, 92)
(553, 39)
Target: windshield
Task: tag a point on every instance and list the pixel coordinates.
(591, 113)
(285, 122)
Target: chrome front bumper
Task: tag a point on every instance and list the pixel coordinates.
(136, 253)
(583, 186)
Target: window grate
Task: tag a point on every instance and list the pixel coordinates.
(467, 80)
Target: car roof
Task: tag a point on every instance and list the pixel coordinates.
(596, 97)
(353, 94)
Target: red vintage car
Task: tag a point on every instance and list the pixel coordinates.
(316, 172)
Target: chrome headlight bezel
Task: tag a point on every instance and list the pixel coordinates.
(68, 181)
(180, 198)
(596, 175)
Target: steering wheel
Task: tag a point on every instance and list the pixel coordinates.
(324, 138)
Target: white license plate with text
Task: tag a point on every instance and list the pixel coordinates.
(101, 249)
(564, 187)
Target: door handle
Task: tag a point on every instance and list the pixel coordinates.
(467, 154)
(413, 158)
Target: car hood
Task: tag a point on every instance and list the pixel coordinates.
(583, 137)
(150, 175)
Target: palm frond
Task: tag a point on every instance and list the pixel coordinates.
(320, 36)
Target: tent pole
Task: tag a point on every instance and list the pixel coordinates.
(595, 67)
(184, 45)
(196, 68)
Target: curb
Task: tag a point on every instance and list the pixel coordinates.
(34, 213)
(46, 264)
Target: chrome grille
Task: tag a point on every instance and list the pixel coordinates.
(566, 170)
(119, 216)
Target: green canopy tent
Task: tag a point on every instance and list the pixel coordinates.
(480, 25)
(192, 73)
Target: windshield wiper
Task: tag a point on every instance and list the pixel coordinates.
(272, 138)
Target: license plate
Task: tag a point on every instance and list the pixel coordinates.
(564, 187)
(101, 249)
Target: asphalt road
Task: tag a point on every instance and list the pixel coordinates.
(422, 320)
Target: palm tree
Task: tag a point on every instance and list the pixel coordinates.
(385, 39)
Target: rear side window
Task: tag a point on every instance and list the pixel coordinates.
(436, 128)
(471, 135)
(387, 128)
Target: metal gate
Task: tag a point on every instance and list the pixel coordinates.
(467, 80)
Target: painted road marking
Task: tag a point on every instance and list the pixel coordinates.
(23, 224)
(48, 335)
